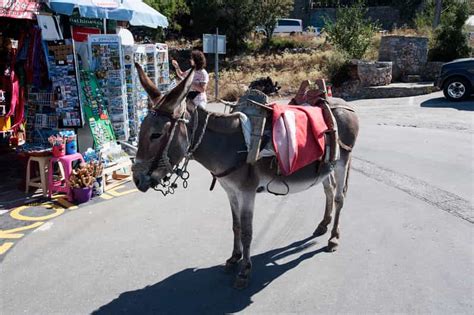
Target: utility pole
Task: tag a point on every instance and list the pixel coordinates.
(437, 15)
(216, 64)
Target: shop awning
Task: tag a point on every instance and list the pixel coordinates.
(144, 15)
(135, 11)
(19, 9)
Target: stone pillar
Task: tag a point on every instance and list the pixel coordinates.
(408, 54)
(374, 73)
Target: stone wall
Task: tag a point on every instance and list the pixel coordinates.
(408, 54)
(431, 70)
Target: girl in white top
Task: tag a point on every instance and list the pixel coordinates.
(201, 78)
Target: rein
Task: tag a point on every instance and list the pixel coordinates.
(166, 185)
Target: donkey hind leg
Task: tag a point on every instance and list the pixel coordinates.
(236, 228)
(329, 186)
(246, 218)
(341, 173)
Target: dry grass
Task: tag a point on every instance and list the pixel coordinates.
(372, 53)
(405, 31)
(287, 69)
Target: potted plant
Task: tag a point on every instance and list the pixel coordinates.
(81, 182)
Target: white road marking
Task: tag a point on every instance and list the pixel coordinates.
(417, 188)
(44, 227)
(3, 211)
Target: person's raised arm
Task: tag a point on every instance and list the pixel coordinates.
(179, 72)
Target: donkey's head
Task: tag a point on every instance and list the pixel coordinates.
(163, 139)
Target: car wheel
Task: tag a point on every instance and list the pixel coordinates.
(457, 89)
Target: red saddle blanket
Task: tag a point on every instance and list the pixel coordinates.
(298, 136)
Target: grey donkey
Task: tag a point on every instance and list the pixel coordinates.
(175, 130)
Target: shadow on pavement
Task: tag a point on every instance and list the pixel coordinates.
(209, 290)
(441, 102)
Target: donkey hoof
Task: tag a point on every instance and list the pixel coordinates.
(241, 282)
(320, 230)
(230, 267)
(332, 246)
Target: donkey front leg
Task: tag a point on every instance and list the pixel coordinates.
(341, 174)
(236, 228)
(246, 218)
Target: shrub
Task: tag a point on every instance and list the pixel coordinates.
(336, 69)
(280, 44)
(450, 39)
(351, 33)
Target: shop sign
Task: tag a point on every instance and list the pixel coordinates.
(19, 9)
(77, 20)
(111, 4)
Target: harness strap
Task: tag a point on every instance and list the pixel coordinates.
(344, 146)
(225, 173)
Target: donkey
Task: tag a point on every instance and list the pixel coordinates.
(175, 129)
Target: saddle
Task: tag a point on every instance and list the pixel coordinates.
(254, 104)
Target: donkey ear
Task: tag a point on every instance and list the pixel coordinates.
(172, 102)
(148, 85)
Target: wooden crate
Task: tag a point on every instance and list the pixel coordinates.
(113, 176)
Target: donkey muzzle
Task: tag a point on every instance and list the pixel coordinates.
(142, 181)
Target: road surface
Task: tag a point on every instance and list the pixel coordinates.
(406, 236)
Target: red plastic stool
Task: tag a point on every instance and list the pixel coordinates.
(65, 166)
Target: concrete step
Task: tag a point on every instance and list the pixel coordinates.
(412, 78)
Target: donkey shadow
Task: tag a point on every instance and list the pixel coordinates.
(209, 290)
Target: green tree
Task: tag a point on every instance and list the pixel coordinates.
(268, 13)
(172, 9)
(450, 38)
(237, 19)
(234, 18)
(352, 32)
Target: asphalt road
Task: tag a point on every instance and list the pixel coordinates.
(406, 228)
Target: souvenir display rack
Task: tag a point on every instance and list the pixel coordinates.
(138, 106)
(41, 117)
(162, 67)
(128, 52)
(157, 65)
(63, 77)
(107, 62)
(95, 110)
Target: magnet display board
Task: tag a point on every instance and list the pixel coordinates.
(95, 110)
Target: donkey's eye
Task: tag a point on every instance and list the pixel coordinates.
(155, 136)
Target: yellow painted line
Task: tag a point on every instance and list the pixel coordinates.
(106, 197)
(5, 246)
(12, 232)
(115, 193)
(16, 213)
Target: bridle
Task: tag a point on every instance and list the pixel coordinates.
(166, 185)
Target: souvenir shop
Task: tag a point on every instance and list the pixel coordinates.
(70, 99)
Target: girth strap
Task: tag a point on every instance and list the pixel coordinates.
(225, 173)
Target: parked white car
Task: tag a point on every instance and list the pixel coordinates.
(284, 26)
